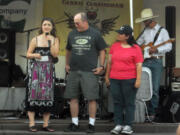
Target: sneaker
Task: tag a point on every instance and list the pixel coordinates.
(72, 128)
(127, 130)
(150, 118)
(116, 130)
(91, 129)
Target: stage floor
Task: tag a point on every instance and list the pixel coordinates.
(12, 125)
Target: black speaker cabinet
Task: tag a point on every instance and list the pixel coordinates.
(5, 74)
(7, 56)
(171, 28)
(7, 45)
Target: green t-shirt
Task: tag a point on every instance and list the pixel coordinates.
(85, 47)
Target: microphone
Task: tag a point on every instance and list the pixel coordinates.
(47, 33)
(49, 41)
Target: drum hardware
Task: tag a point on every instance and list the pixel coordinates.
(102, 108)
(83, 107)
(61, 105)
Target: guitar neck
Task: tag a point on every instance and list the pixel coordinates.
(168, 41)
(162, 44)
(151, 44)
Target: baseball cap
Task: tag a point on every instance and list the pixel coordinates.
(125, 29)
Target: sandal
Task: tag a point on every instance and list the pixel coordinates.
(48, 129)
(33, 129)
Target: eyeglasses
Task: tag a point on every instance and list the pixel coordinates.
(76, 23)
(147, 21)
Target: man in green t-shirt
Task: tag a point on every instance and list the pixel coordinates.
(85, 44)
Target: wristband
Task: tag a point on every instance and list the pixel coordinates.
(102, 66)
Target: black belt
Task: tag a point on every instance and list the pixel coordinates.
(154, 57)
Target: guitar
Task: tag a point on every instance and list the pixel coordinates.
(145, 48)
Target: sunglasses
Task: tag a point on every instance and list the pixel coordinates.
(76, 23)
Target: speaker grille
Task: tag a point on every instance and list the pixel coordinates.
(7, 56)
(3, 45)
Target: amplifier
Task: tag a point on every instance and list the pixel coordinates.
(175, 86)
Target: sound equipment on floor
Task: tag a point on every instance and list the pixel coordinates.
(175, 106)
(7, 56)
(163, 113)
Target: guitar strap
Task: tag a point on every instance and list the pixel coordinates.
(140, 34)
(157, 34)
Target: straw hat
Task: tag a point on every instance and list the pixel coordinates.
(146, 14)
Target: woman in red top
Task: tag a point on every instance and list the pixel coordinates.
(123, 74)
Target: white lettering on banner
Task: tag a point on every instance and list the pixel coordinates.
(15, 10)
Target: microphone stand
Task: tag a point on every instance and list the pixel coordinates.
(27, 43)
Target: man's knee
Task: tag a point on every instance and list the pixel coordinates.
(92, 102)
(74, 101)
(178, 130)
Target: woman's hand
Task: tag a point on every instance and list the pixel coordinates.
(107, 81)
(37, 55)
(137, 83)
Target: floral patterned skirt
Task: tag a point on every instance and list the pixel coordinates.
(40, 88)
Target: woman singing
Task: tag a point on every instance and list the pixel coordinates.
(40, 95)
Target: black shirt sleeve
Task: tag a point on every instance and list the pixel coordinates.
(100, 43)
(69, 46)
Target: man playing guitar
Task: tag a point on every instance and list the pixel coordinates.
(156, 34)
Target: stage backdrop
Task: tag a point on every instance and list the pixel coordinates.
(15, 14)
(105, 15)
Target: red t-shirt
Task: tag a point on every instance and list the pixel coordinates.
(123, 61)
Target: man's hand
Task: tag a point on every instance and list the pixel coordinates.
(107, 81)
(98, 70)
(67, 68)
(178, 130)
(153, 50)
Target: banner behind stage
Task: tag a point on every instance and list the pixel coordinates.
(15, 14)
(105, 15)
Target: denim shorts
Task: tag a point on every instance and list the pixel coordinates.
(82, 82)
